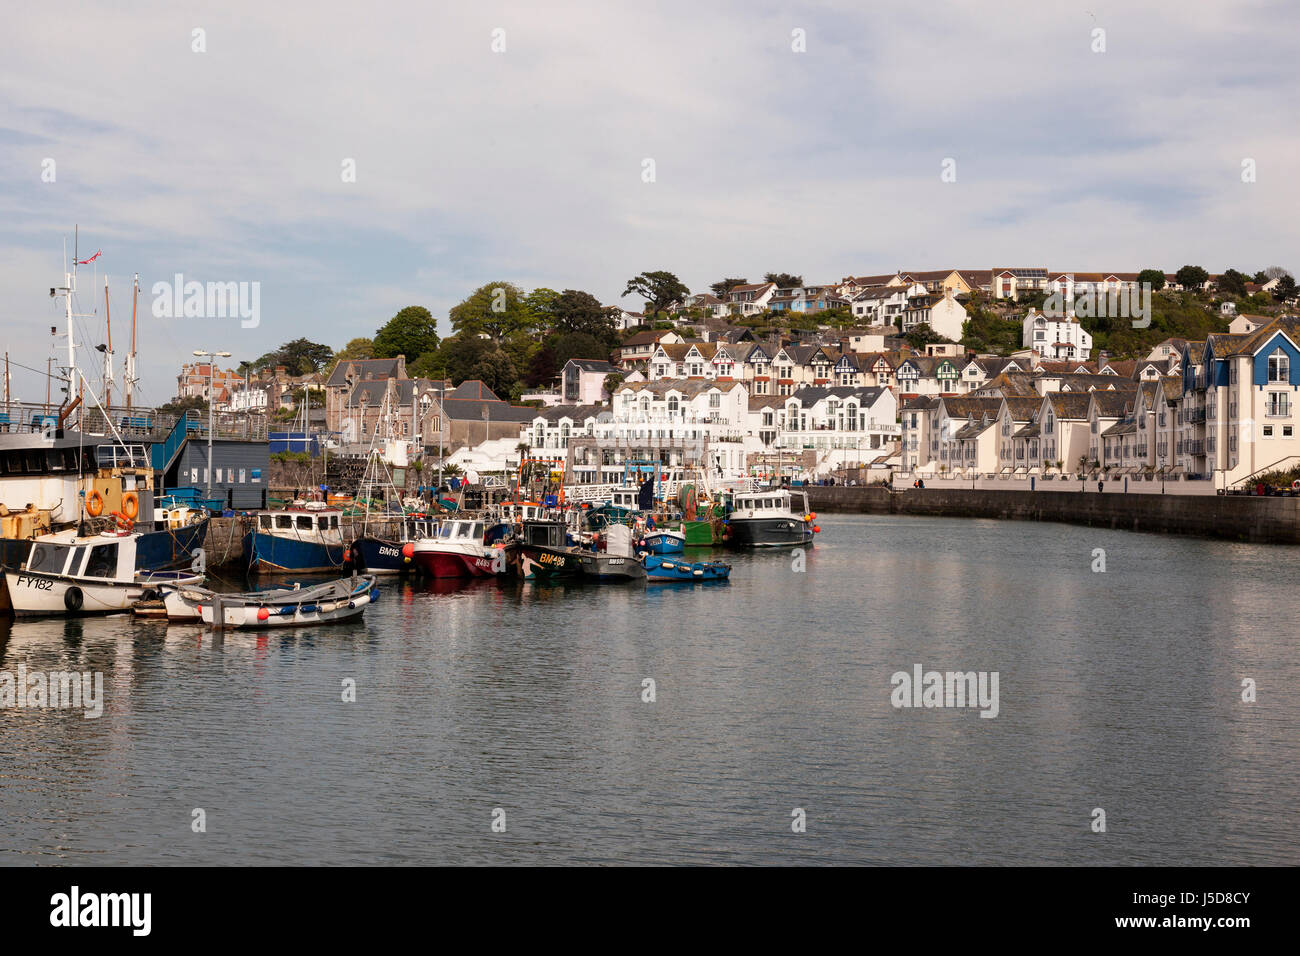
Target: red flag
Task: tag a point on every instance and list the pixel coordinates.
(82, 262)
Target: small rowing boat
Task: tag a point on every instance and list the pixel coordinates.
(326, 603)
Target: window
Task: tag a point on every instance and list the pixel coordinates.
(1286, 431)
(1278, 405)
(1268, 431)
(103, 561)
(1279, 366)
(715, 400)
(304, 522)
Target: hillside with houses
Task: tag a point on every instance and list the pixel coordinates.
(1019, 371)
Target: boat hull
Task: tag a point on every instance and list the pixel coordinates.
(32, 594)
(450, 563)
(768, 532)
(271, 554)
(660, 542)
(381, 556)
(605, 567)
(659, 569)
(538, 563)
(282, 607)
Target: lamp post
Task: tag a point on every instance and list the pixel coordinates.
(212, 368)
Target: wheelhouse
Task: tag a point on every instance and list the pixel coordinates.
(102, 559)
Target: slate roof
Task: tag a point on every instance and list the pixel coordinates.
(363, 370)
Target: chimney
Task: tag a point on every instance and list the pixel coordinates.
(401, 366)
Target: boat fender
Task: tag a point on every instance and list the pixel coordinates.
(352, 604)
(286, 612)
(669, 564)
(263, 614)
(308, 608)
(817, 529)
(149, 595)
(374, 594)
(73, 599)
(699, 571)
(408, 549)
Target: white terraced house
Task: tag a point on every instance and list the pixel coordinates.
(940, 311)
(1055, 337)
(883, 304)
(842, 426)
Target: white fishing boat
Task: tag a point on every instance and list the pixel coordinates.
(70, 574)
(296, 606)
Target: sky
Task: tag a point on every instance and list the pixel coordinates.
(508, 141)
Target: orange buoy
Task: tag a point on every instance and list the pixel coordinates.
(131, 505)
(123, 522)
(94, 504)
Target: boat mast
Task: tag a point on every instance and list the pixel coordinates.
(128, 370)
(108, 352)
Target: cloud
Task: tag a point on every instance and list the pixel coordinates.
(526, 165)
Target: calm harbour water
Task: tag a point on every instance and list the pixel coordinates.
(1119, 690)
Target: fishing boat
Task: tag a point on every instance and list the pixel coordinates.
(295, 541)
(771, 518)
(455, 549)
(378, 555)
(70, 574)
(297, 606)
(541, 550)
(617, 561)
(660, 568)
(662, 541)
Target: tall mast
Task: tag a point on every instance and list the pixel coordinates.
(108, 352)
(128, 372)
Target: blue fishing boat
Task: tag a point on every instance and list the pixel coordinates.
(377, 555)
(659, 568)
(662, 542)
(295, 541)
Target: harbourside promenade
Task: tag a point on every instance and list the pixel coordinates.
(1264, 520)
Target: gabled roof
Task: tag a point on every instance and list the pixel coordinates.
(474, 390)
(1069, 405)
(593, 365)
(363, 370)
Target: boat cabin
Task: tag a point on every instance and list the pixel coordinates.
(324, 526)
(107, 557)
(776, 500)
(461, 530)
(545, 534)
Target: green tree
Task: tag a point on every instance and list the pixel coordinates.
(578, 345)
(612, 381)
(457, 357)
(579, 312)
(658, 289)
(411, 332)
(1155, 276)
(919, 336)
(495, 310)
(1191, 277)
(541, 370)
(356, 350)
(784, 280)
(541, 303)
(299, 357)
(1233, 282)
(723, 286)
(1285, 289)
(495, 370)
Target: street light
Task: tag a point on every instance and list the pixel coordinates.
(212, 367)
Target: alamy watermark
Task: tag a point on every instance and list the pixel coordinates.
(1132, 302)
(923, 688)
(56, 690)
(211, 300)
